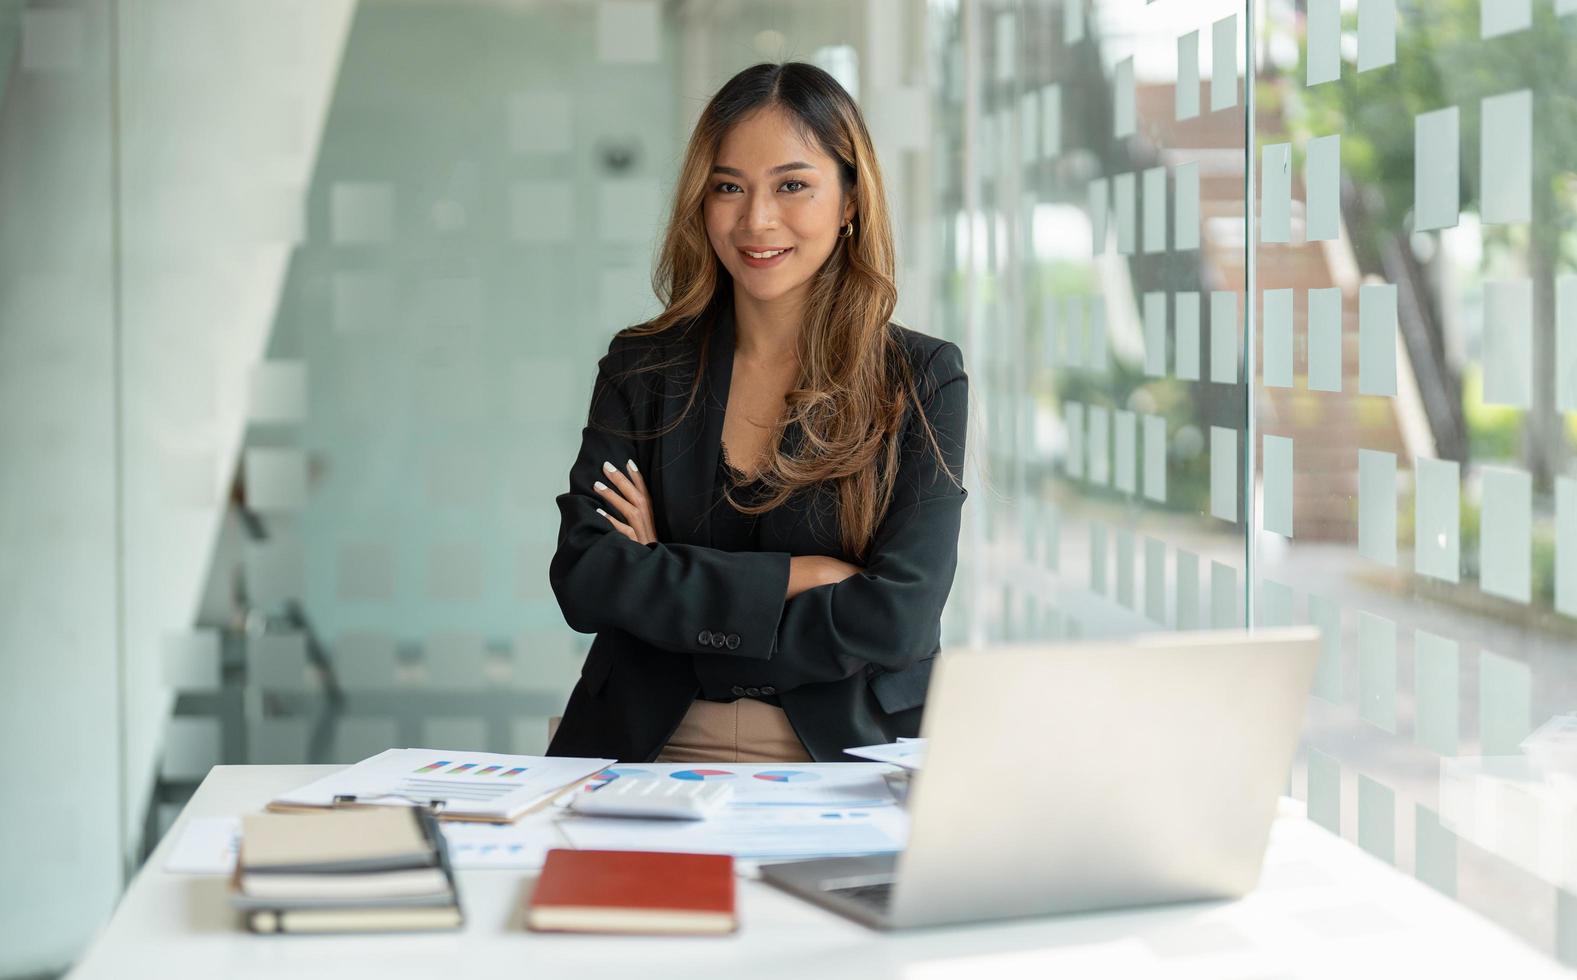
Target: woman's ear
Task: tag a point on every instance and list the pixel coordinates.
(849, 208)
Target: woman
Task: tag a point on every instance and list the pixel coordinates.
(762, 523)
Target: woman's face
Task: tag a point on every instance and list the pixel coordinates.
(773, 194)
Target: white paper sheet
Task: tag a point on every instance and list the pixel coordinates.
(1437, 513)
(1185, 213)
(1155, 458)
(1322, 188)
(1123, 192)
(751, 833)
(1124, 104)
(1506, 159)
(1155, 335)
(1223, 473)
(779, 785)
(1155, 210)
(207, 846)
(1275, 201)
(1224, 63)
(482, 784)
(908, 753)
(1186, 333)
(1277, 516)
(1377, 670)
(1324, 20)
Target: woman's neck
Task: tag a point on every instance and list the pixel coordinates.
(767, 333)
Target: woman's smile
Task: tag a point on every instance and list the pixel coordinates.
(764, 258)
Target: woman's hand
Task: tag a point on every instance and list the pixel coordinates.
(811, 571)
(629, 497)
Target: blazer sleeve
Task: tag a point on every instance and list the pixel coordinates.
(664, 594)
(887, 615)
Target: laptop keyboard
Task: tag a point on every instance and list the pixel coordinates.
(877, 896)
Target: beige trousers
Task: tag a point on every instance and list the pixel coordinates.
(746, 730)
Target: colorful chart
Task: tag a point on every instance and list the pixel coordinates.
(464, 769)
(787, 776)
(609, 775)
(701, 774)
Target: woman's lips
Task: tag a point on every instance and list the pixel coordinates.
(756, 263)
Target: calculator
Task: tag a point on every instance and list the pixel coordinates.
(662, 798)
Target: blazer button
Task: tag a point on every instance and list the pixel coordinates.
(732, 641)
(737, 691)
(718, 640)
(769, 690)
(704, 638)
(752, 691)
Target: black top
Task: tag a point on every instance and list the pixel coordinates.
(723, 677)
(850, 662)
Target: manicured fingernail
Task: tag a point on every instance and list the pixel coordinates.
(632, 466)
(599, 486)
(602, 512)
(610, 467)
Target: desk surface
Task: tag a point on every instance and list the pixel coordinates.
(1323, 909)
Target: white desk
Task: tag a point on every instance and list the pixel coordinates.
(1323, 909)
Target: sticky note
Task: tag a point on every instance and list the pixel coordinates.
(1566, 545)
(1073, 332)
(1224, 473)
(1437, 687)
(1099, 444)
(1436, 518)
(629, 32)
(1324, 60)
(1224, 597)
(1377, 819)
(1123, 194)
(1325, 339)
(1224, 63)
(1322, 185)
(361, 212)
(1508, 331)
(276, 478)
(1377, 670)
(1566, 343)
(1096, 356)
(1497, 17)
(1126, 432)
(1273, 604)
(1155, 580)
(1051, 122)
(1073, 21)
(1155, 210)
(1125, 568)
(1098, 576)
(1506, 158)
(1185, 212)
(1275, 193)
(1186, 335)
(1505, 704)
(1325, 791)
(1187, 590)
(1155, 335)
(1377, 506)
(1186, 94)
(1276, 372)
(1029, 127)
(1100, 205)
(1377, 340)
(1325, 614)
(1277, 486)
(1155, 458)
(540, 122)
(1434, 852)
(1224, 337)
(1073, 423)
(1505, 533)
(1376, 33)
(1437, 168)
(1123, 100)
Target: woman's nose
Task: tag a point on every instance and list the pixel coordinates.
(760, 211)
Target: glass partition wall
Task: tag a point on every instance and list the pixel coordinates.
(1270, 310)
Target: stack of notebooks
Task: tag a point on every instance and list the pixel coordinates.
(376, 869)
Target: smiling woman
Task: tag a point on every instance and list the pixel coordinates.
(762, 524)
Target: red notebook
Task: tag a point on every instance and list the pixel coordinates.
(635, 892)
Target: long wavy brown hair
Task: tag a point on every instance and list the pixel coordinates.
(855, 382)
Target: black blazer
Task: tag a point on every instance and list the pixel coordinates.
(849, 662)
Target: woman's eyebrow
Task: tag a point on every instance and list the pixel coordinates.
(781, 168)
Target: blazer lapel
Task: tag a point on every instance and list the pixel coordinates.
(690, 450)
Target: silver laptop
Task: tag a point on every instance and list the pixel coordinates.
(1075, 777)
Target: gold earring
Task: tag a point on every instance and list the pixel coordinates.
(847, 230)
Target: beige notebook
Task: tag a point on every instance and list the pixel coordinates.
(370, 839)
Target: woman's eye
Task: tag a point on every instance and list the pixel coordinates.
(725, 186)
(797, 185)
